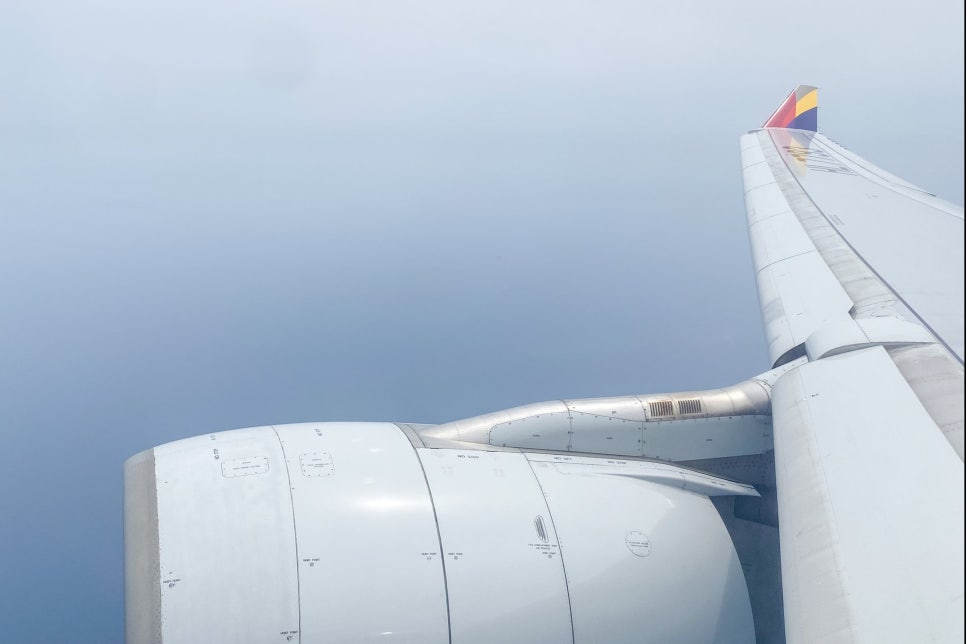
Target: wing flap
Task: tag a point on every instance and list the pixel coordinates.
(868, 492)
(797, 290)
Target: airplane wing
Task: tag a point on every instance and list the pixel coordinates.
(862, 273)
(643, 518)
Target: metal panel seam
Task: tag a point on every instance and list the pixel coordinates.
(439, 538)
(759, 187)
(570, 436)
(788, 211)
(295, 537)
(411, 434)
(563, 564)
(643, 425)
(784, 259)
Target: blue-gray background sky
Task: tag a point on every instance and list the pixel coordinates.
(225, 214)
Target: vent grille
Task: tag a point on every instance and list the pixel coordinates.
(692, 406)
(661, 408)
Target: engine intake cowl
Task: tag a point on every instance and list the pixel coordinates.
(346, 532)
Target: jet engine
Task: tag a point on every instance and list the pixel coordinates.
(359, 532)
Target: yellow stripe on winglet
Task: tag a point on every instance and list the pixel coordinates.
(806, 102)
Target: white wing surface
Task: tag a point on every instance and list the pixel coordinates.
(808, 195)
(870, 502)
(862, 273)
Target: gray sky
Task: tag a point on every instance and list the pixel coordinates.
(226, 214)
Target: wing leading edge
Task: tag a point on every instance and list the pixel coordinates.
(861, 274)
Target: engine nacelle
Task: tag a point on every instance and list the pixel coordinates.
(350, 532)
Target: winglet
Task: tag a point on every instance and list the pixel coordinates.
(799, 111)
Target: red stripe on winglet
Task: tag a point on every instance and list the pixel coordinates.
(784, 114)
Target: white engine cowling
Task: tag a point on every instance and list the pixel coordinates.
(352, 532)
